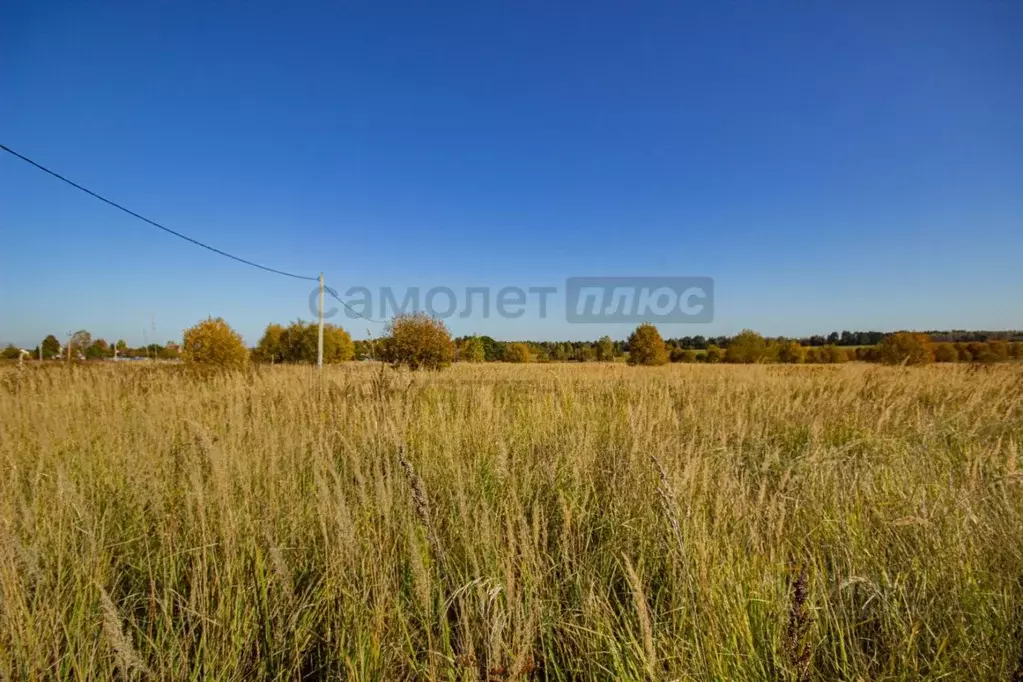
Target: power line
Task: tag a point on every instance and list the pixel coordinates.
(153, 222)
(350, 308)
(215, 250)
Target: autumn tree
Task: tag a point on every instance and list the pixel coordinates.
(714, 354)
(945, 352)
(472, 350)
(791, 353)
(908, 348)
(747, 347)
(98, 350)
(419, 341)
(999, 349)
(517, 352)
(605, 349)
(646, 347)
(271, 345)
(299, 343)
(833, 354)
(213, 343)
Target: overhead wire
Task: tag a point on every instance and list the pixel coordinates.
(175, 233)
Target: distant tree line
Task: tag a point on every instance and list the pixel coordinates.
(419, 341)
(84, 347)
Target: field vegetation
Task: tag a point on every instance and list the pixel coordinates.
(507, 522)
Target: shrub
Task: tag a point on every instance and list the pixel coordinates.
(945, 352)
(517, 352)
(605, 349)
(212, 342)
(963, 352)
(999, 349)
(791, 353)
(646, 347)
(472, 350)
(714, 354)
(747, 347)
(419, 341)
(833, 354)
(908, 348)
(299, 342)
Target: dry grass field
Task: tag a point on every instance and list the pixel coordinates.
(560, 522)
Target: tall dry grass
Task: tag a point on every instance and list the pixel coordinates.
(495, 522)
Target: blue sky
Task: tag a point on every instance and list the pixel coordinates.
(833, 165)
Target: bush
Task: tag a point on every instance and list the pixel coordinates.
(747, 347)
(646, 347)
(945, 352)
(418, 341)
(299, 342)
(472, 350)
(791, 353)
(212, 342)
(517, 352)
(999, 349)
(905, 348)
(605, 349)
(714, 354)
(834, 354)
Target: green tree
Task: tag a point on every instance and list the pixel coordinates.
(11, 352)
(271, 345)
(213, 343)
(98, 350)
(517, 352)
(51, 347)
(714, 354)
(419, 341)
(605, 349)
(646, 347)
(472, 350)
(905, 348)
(747, 347)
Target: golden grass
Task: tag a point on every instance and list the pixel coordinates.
(156, 524)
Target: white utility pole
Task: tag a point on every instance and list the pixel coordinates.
(319, 344)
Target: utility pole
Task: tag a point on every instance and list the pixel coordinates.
(70, 342)
(319, 343)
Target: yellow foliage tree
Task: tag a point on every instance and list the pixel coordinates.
(418, 341)
(791, 352)
(517, 352)
(906, 348)
(212, 342)
(646, 347)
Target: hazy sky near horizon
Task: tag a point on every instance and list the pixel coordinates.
(832, 165)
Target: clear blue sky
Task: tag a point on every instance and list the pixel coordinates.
(833, 165)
